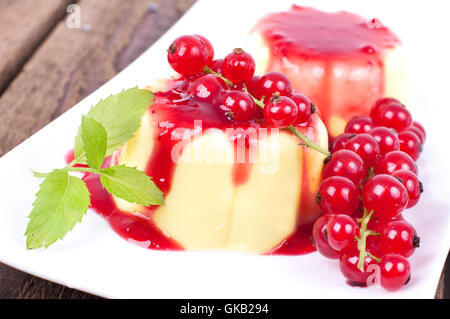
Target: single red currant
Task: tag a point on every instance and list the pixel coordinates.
(382, 103)
(399, 237)
(339, 195)
(412, 185)
(217, 66)
(305, 108)
(207, 88)
(239, 86)
(252, 86)
(280, 111)
(321, 239)
(273, 82)
(342, 231)
(394, 116)
(395, 161)
(386, 138)
(187, 55)
(395, 271)
(348, 264)
(410, 144)
(209, 49)
(385, 195)
(377, 225)
(359, 124)
(339, 142)
(238, 66)
(347, 164)
(366, 147)
(418, 132)
(238, 106)
(421, 128)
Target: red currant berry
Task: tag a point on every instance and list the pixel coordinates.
(280, 111)
(347, 164)
(338, 194)
(412, 185)
(385, 195)
(321, 239)
(207, 88)
(238, 86)
(399, 237)
(418, 132)
(382, 103)
(339, 142)
(394, 116)
(238, 66)
(348, 264)
(386, 138)
(239, 106)
(395, 161)
(305, 108)
(209, 49)
(421, 128)
(377, 225)
(410, 144)
(187, 55)
(366, 147)
(252, 86)
(273, 82)
(359, 124)
(217, 66)
(341, 232)
(395, 271)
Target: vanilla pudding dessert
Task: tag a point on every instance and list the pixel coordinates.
(342, 61)
(219, 203)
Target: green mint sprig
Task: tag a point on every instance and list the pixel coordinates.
(63, 199)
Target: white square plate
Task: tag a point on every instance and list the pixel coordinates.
(94, 259)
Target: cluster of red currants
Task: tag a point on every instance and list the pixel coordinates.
(230, 84)
(369, 179)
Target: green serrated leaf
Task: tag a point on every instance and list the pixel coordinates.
(61, 202)
(120, 115)
(94, 139)
(131, 185)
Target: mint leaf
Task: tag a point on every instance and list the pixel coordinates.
(131, 185)
(60, 203)
(120, 115)
(93, 135)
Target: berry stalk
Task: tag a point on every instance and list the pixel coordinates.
(208, 70)
(362, 240)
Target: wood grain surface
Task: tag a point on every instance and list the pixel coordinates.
(23, 25)
(58, 67)
(46, 68)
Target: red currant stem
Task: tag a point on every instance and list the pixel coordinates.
(207, 69)
(306, 140)
(363, 233)
(373, 257)
(259, 103)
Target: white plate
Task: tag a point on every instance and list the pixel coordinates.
(94, 259)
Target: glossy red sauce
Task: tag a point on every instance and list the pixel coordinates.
(309, 32)
(337, 59)
(170, 111)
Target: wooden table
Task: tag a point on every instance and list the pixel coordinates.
(47, 67)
